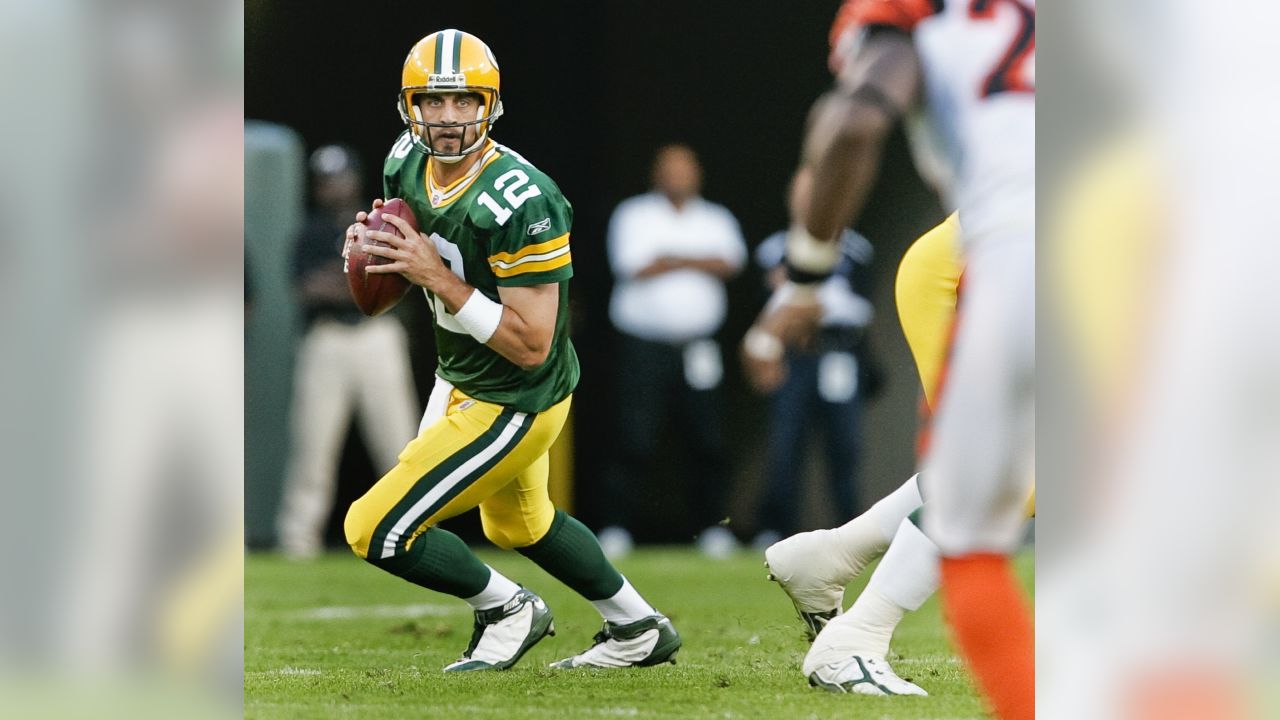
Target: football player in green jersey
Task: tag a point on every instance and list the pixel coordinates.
(492, 256)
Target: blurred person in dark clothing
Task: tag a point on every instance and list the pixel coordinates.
(826, 377)
(348, 365)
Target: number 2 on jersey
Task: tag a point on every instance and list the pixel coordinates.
(1009, 74)
(452, 256)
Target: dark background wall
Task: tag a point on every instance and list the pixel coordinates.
(591, 89)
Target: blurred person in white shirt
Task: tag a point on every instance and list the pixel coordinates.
(671, 252)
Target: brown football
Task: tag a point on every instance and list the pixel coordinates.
(378, 292)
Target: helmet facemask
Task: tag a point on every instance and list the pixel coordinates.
(488, 110)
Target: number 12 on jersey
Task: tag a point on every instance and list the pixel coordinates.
(509, 182)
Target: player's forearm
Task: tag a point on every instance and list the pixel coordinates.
(452, 290)
(843, 149)
(515, 338)
(849, 125)
(523, 343)
(519, 328)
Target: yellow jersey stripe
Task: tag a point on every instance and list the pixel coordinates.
(540, 257)
(528, 250)
(545, 265)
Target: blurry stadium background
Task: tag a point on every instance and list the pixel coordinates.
(591, 90)
(104, 100)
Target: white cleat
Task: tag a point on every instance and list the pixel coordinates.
(796, 565)
(643, 643)
(863, 675)
(502, 635)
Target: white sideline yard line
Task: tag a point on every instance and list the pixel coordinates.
(285, 671)
(359, 708)
(354, 612)
(927, 660)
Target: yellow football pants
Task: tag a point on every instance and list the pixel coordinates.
(478, 454)
(926, 292)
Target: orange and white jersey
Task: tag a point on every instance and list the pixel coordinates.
(978, 59)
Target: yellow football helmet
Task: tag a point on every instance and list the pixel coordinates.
(450, 61)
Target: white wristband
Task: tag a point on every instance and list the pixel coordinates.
(479, 316)
(793, 293)
(762, 345)
(808, 253)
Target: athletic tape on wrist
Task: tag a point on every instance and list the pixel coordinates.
(809, 259)
(762, 345)
(793, 293)
(479, 316)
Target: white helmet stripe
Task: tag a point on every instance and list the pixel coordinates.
(447, 39)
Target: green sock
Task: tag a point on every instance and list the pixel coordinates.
(570, 553)
(440, 561)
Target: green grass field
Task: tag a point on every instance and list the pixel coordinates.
(336, 638)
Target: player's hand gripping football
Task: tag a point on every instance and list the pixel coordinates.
(357, 227)
(413, 256)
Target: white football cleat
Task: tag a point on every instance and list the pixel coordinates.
(796, 564)
(502, 635)
(863, 675)
(645, 642)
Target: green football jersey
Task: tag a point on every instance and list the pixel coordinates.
(505, 224)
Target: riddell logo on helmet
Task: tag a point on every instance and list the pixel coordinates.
(459, 79)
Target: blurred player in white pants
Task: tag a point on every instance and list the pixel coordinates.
(976, 65)
(348, 366)
(814, 567)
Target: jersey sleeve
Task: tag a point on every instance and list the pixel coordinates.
(532, 247)
(392, 165)
(901, 14)
(855, 16)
